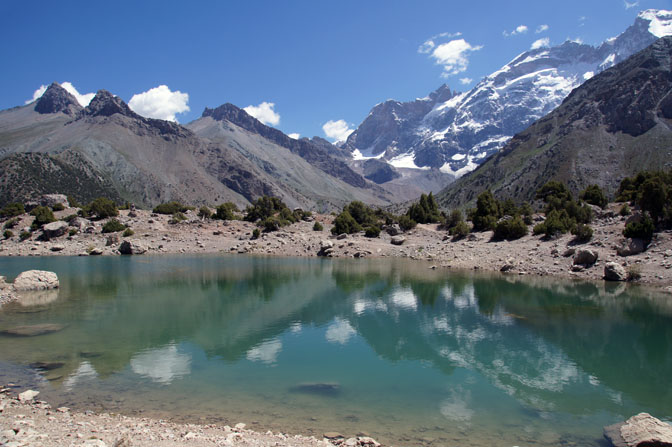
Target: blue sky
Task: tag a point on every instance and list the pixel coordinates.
(316, 61)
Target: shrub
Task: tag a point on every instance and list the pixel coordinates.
(594, 195)
(643, 229)
(634, 273)
(363, 215)
(317, 226)
(425, 210)
(43, 215)
(58, 207)
(372, 231)
(554, 190)
(101, 208)
(454, 218)
(557, 222)
(128, 232)
(487, 212)
(73, 202)
(8, 234)
(271, 224)
(582, 232)
(170, 208)
(263, 208)
(73, 231)
(406, 223)
(177, 218)
(625, 210)
(256, 233)
(11, 223)
(12, 210)
(345, 223)
(69, 217)
(204, 212)
(25, 235)
(112, 226)
(225, 211)
(509, 208)
(510, 229)
(460, 230)
(653, 197)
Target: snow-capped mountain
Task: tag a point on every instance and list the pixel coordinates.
(457, 132)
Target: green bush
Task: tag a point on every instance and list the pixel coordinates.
(557, 222)
(226, 211)
(73, 231)
(12, 210)
(643, 229)
(372, 231)
(271, 224)
(594, 195)
(425, 210)
(69, 217)
(406, 223)
(177, 218)
(11, 223)
(345, 223)
(459, 231)
(112, 226)
(170, 208)
(625, 210)
(204, 212)
(8, 234)
(25, 235)
(264, 207)
(453, 219)
(487, 212)
(510, 229)
(73, 202)
(256, 233)
(128, 232)
(554, 190)
(58, 207)
(43, 215)
(100, 208)
(317, 226)
(582, 232)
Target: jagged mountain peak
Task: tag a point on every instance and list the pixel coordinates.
(57, 99)
(106, 104)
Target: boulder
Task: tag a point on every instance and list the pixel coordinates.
(341, 236)
(36, 280)
(32, 330)
(640, 430)
(132, 248)
(57, 247)
(54, 229)
(325, 244)
(393, 230)
(614, 272)
(80, 223)
(96, 251)
(631, 247)
(112, 239)
(585, 256)
(53, 199)
(398, 240)
(29, 395)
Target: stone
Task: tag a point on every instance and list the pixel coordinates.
(341, 236)
(94, 443)
(36, 280)
(585, 256)
(54, 229)
(569, 252)
(54, 199)
(131, 248)
(333, 435)
(507, 267)
(326, 244)
(96, 251)
(36, 297)
(614, 272)
(46, 366)
(27, 396)
(112, 239)
(640, 430)
(393, 230)
(57, 247)
(631, 246)
(80, 223)
(240, 426)
(397, 240)
(366, 440)
(32, 330)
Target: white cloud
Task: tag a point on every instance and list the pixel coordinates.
(541, 43)
(453, 56)
(582, 20)
(430, 43)
(520, 29)
(294, 136)
(160, 103)
(264, 112)
(629, 5)
(465, 81)
(541, 28)
(576, 40)
(82, 99)
(337, 130)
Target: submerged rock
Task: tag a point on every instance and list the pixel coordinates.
(29, 395)
(32, 330)
(324, 389)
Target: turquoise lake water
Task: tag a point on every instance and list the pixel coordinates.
(409, 355)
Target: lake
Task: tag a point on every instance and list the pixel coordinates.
(409, 355)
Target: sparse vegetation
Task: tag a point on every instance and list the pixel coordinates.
(11, 223)
(625, 210)
(226, 211)
(58, 207)
(113, 226)
(634, 273)
(510, 229)
(177, 218)
(171, 208)
(100, 208)
(128, 232)
(594, 195)
(8, 234)
(25, 235)
(317, 226)
(582, 232)
(345, 223)
(459, 231)
(256, 233)
(43, 215)
(484, 217)
(641, 229)
(372, 231)
(406, 223)
(426, 210)
(73, 231)
(12, 210)
(205, 212)
(563, 213)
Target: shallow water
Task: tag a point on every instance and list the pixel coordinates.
(409, 355)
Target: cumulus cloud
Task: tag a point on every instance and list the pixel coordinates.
(294, 136)
(541, 43)
(541, 29)
(264, 112)
(465, 81)
(430, 43)
(629, 5)
(520, 29)
(454, 56)
(82, 99)
(160, 103)
(337, 130)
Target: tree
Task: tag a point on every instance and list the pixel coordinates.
(426, 210)
(345, 223)
(12, 210)
(102, 208)
(43, 215)
(594, 195)
(487, 212)
(225, 211)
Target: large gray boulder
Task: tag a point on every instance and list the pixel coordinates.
(54, 199)
(640, 430)
(397, 240)
(585, 257)
(131, 248)
(631, 247)
(54, 229)
(36, 280)
(80, 223)
(614, 272)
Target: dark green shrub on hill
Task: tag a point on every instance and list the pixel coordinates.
(8, 234)
(128, 232)
(625, 210)
(556, 223)
(582, 232)
(406, 223)
(526, 211)
(484, 217)
(58, 207)
(317, 226)
(100, 208)
(459, 231)
(226, 211)
(170, 208)
(642, 229)
(11, 223)
(112, 226)
(177, 218)
(426, 210)
(345, 223)
(563, 213)
(43, 215)
(372, 231)
(25, 235)
(363, 214)
(594, 195)
(453, 219)
(510, 229)
(271, 213)
(12, 210)
(204, 212)
(256, 233)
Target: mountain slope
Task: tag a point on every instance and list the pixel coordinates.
(460, 131)
(614, 125)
